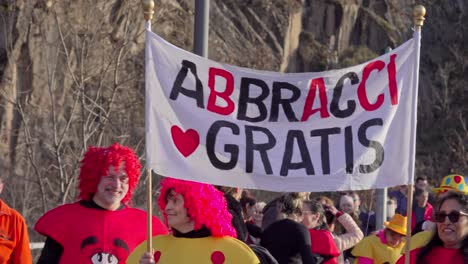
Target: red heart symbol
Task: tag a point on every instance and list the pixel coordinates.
(157, 256)
(186, 142)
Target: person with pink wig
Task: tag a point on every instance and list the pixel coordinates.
(201, 228)
(100, 225)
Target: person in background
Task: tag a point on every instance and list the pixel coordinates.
(14, 241)
(287, 239)
(248, 203)
(449, 244)
(401, 195)
(322, 239)
(352, 235)
(258, 216)
(391, 207)
(347, 204)
(202, 230)
(325, 201)
(101, 225)
(385, 246)
(272, 211)
(422, 210)
(423, 184)
(367, 218)
(233, 196)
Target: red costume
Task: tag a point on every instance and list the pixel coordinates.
(90, 234)
(324, 244)
(437, 255)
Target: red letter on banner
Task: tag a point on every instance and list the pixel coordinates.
(391, 68)
(362, 95)
(226, 110)
(308, 111)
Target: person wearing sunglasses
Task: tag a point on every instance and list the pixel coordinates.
(449, 244)
(449, 184)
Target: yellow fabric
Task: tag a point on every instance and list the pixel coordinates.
(420, 239)
(196, 250)
(371, 247)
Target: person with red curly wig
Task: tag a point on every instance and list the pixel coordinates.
(100, 227)
(201, 228)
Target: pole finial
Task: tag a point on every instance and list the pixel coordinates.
(148, 9)
(419, 12)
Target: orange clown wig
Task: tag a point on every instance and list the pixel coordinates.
(96, 162)
(205, 205)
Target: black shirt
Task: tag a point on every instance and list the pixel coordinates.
(238, 223)
(289, 242)
(199, 233)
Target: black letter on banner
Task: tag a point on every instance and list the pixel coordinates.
(379, 150)
(349, 152)
(229, 148)
(288, 153)
(334, 106)
(261, 148)
(286, 103)
(244, 99)
(325, 148)
(177, 87)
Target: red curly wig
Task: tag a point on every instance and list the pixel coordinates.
(205, 205)
(96, 162)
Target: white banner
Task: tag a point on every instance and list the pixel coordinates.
(345, 129)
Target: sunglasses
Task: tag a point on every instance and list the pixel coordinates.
(453, 216)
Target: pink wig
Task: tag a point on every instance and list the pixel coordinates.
(96, 162)
(204, 203)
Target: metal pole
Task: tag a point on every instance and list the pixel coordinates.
(200, 35)
(381, 209)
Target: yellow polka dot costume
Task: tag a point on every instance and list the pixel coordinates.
(207, 207)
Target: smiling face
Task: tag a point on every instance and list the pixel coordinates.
(112, 188)
(176, 213)
(347, 204)
(453, 234)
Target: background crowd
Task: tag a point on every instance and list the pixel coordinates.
(202, 223)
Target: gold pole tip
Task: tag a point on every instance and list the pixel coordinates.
(148, 9)
(419, 12)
